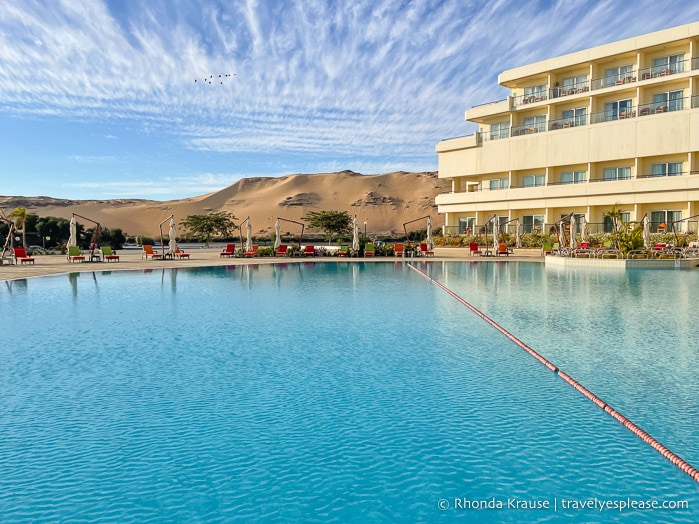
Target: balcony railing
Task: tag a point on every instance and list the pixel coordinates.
(528, 129)
(523, 100)
(613, 80)
(473, 188)
(564, 123)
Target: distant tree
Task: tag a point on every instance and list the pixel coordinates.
(57, 229)
(23, 221)
(206, 227)
(331, 223)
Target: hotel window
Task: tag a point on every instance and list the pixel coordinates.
(612, 110)
(499, 183)
(663, 220)
(499, 130)
(670, 101)
(533, 180)
(669, 169)
(574, 84)
(617, 173)
(613, 75)
(608, 226)
(534, 94)
(667, 65)
(573, 177)
(466, 225)
(575, 117)
(535, 122)
(533, 223)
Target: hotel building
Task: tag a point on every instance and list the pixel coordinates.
(615, 124)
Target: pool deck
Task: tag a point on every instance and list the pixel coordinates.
(131, 259)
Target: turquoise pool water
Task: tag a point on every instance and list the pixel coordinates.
(344, 392)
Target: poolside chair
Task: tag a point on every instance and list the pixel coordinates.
(180, 254)
(473, 249)
(369, 250)
(229, 251)
(75, 255)
(343, 251)
(546, 249)
(503, 249)
(253, 252)
(282, 250)
(148, 253)
(108, 254)
(425, 252)
(309, 251)
(20, 255)
(398, 250)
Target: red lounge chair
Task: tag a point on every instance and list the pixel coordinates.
(426, 252)
(503, 249)
(253, 252)
(180, 254)
(473, 249)
(20, 254)
(282, 250)
(148, 253)
(309, 251)
(398, 250)
(229, 251)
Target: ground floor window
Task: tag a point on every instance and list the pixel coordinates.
(466, 225)
(533, 223)
(661, 221)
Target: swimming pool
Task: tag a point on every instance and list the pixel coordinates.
(338, 392)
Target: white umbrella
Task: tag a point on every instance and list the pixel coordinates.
(355, 237)
(496, 223)
(573, 240)
(430, 242)
(561, 235)
(518, 234)
(248, 242)
(583, 230)
(172, 244)
(277, 234)
(73, 239)
(646, 232)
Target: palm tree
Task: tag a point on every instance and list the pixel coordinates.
(20, 215)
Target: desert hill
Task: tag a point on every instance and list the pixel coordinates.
(385, 201)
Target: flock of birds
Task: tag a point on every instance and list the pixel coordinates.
(211, 79)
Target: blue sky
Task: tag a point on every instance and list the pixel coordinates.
(98, 98)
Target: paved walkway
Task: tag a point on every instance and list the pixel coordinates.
(131, 259)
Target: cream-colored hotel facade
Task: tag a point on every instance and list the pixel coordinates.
(615, 124)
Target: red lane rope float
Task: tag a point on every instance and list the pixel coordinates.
(675, 459)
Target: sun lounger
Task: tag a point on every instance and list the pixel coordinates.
(229, 251)
(108, 254)
(369, 250)
(75, 255)
(180, 254)
(398, 249)
(20, 254)
(343, 251)
(253, 252)
(282, 250)
(426, 252)
(473, 249)
(309, 251)
(148, 253)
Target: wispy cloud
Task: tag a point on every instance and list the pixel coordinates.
(377, 80)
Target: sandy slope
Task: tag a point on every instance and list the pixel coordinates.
(384, 201)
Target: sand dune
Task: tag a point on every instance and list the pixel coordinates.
(384, 201)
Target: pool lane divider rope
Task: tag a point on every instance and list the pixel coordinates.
(675, 459)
